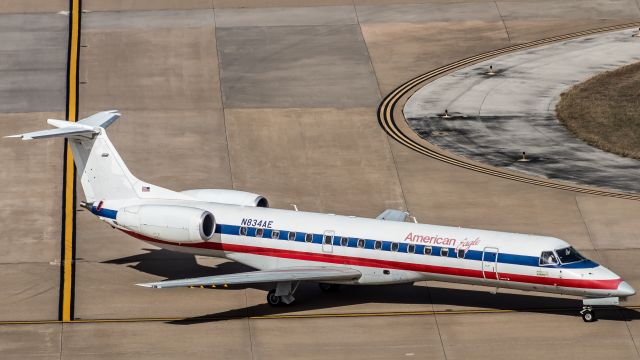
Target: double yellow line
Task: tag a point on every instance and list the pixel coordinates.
(387, 119)
(67, 271)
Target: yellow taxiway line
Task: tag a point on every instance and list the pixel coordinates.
(69, 179)
(388, 121)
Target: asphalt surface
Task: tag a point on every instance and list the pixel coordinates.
(198, 112)
(495, 117)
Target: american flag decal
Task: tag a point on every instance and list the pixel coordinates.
(146, 188)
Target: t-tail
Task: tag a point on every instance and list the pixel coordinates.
(104, 173)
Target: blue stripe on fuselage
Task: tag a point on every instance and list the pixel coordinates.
(503, 258)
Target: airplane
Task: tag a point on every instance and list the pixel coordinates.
(289, 246)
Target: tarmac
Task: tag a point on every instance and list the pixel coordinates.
(280, 98)
(499, 108)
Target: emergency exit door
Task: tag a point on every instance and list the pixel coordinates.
(490, 264)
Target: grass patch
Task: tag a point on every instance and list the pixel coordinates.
(604, 111)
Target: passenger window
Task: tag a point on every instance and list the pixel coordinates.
(360, 243)
(427, 250)
(328, 239)
(444, 252)
(292, 235)
(377, 245)
(275, 234)
(259, 232)
(395, 246)
(461, 253)
(344, 241)
(411, 249)
(243, 231)
(548, 258)
(308, 238)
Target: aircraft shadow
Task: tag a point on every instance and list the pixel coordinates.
(309, 298)
(175, 265)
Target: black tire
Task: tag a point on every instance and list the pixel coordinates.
(329, 287)
(273, 299)
(588, 316)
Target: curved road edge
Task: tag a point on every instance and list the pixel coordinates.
(405, 136)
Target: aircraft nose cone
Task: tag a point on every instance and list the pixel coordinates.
(624, 289)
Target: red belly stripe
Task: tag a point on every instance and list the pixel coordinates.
(610, 284)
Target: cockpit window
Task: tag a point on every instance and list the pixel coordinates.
(548, 258)
(569, 255)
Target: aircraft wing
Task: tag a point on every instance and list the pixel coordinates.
(264, 276)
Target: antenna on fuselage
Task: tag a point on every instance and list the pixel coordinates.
(295, 207)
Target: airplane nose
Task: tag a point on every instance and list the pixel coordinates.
(624, 290)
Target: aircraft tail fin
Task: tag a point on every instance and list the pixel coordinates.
(104, 174)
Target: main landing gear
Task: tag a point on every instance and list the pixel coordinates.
(588, 315)
(282, 294)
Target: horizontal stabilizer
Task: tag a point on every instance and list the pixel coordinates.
(68, 131)
(86, 128)
(264, 276)
(393, 215)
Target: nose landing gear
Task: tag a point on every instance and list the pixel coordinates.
(587, 312)
(588, 315)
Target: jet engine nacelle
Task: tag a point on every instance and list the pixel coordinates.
(179, 224)
(231, 197)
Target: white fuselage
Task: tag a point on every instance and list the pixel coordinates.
(387, 252)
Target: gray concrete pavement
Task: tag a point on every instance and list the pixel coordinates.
(33, 69)
(273, 66)
(219, 340)
(355, 157)
(161, 68)
(31, 341)
(497, 117)
(29, 289)
(33, 6)
(505, 336)
(33, 48)
(286, 16)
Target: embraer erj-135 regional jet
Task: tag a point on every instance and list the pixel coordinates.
(289, 246)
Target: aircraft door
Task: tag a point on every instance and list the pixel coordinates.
(327, 241)
(490, 265)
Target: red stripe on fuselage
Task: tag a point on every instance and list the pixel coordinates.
(611, 284)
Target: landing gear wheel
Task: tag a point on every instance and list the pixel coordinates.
(588, 315)
(329, 287)
(273, 299)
